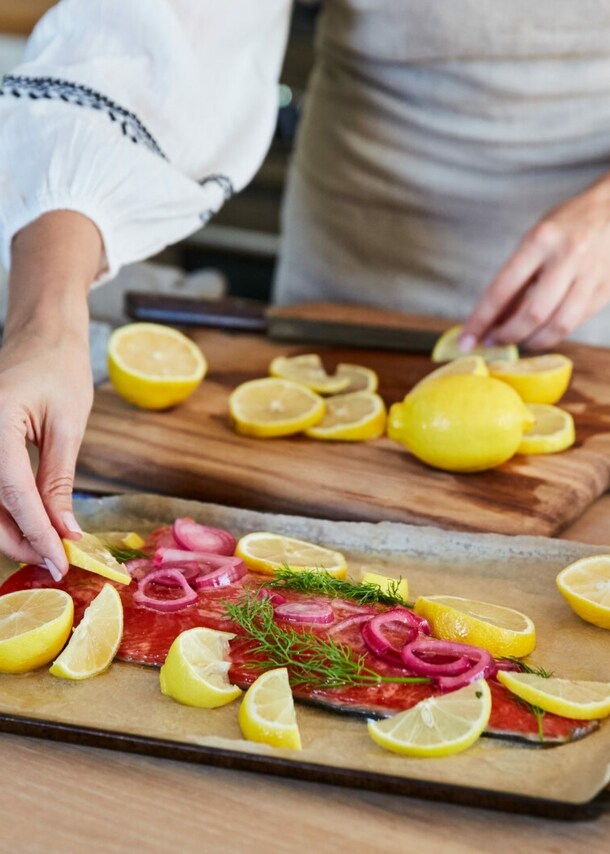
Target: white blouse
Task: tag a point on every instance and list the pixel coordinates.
(143, 116)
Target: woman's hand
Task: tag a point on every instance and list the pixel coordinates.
(558, 277)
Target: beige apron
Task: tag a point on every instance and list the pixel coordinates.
(435, 133)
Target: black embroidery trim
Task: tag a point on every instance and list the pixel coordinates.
(223, 181)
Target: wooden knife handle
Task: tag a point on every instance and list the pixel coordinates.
(226, 313)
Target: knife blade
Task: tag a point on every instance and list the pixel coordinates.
(312, 323)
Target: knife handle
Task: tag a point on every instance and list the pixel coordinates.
(226, 313)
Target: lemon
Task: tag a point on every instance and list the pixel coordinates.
(96, 639)
(351, 418)
(397, 586)
(446, 349)
(309, 371)
(154, 366)
(585, 585)
(437, 726)
(552, 431)
(266, 713)
(195, 670)
(121, 539)
(273, 407)
(34, 626)
(464, 365)
(569, 698)
(501, 631)
(539, 379)
(267, 553)
(91, 554)
(462, 423)
(360, 378)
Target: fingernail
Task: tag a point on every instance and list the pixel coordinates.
(466, 343)
(70, 522)
(55, 573)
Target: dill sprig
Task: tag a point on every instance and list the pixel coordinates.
(122, 554)
(536, 670)
(312, 660)
(318, 581)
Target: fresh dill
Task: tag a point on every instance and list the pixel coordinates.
(316, 581)
(536, 711)
(312, 660)
(536, 670)
(122, 554)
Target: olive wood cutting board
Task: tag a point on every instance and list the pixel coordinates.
(192, 450)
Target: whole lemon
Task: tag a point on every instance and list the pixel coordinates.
(462, 423)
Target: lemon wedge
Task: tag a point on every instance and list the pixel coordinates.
(352, 417)
(309, 371)
(121, 539)
(91, 554)
(446, 349)
(266, 713)
(464, 365)
(437, 726)
(552, 431)
(274, 407)
(196, 667)
(569, 698)
(34, 626)
(585, 585)
(397, 586)
(359, 377)
(501, 631)
(539, 379)
(267, 553)
(95, 640)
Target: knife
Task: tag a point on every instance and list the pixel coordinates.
(309, 323)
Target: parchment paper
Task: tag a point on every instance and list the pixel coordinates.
(516, 571)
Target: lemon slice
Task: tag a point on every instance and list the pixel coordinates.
(437, 726)
(271, 407)
(501, 631)
(309, 371)
(266, 713)
(34, 626)
(351, 418)
(446, 349)
(539, 379)
(569, 698)
(553, 430)
(95, 640)
(586, 586)
(195, 670)
(396, 586)
(91, 554)
(121, 539)
(360, 378)
(464, 365)
(154, 366)
(267, 553)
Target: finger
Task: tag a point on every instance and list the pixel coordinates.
(55, 478)
(578, 305)
(12, 543)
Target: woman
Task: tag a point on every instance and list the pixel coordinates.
(435, 137)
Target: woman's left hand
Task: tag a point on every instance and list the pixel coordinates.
(558, 277)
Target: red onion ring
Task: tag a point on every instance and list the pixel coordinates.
(482, 664)
(319, 613)
(180, 557)
(273, 597)
(231, 571)
(201, 538)
(141, 597)
(139, 567)
(352, 607)
(354, 620)
(507, 664)
(412, 652)
(376, 641)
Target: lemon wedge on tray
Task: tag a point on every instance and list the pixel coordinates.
(266, 713)
(196, 667)
(34, 626)
(92, 554)
(585, 585)
(267, 553)
(569, 698)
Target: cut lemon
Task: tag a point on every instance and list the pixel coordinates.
(396, 586)
(584, 701)
(464, 365)
(266, 713)
(360, 378)
(267, 553)
(539, 379)
(272, 407)
(154, 366)
(501, 631)
(351, 418)
(121, 540)
(34, 626)
(309, 371)
(95, 640)
(446, 349)
(586, 586)
(553, 430)
(91, 553)
(437, 726)
(195, 670)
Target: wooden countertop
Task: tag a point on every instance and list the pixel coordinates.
(18, 17)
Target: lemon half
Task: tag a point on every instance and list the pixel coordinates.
(585, 585)
(552, 431)
(34, 626)
(539, 379)
(196, 668)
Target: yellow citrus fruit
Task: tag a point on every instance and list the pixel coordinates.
(196, 667)
(446, 349)
(309, 371)
(397, 586)
(360, 378)
(464, 365)
(266, 714)
(539, 379)
(91, 553)
(585, 585)
(34, 626)
(154, 366)
(501, 631)
(552, 431)
(273, 407)
(96, 639)
(267, 553)
(351, 418)
(462, 423)
(437, 726)
(121, 540)
(568, 698)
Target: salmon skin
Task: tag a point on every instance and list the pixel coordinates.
(148, 635)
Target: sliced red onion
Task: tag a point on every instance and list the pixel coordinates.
(190, 573)
(201, 538)
(161, 538)
(507, 664)
(354, 620)
(232, 570)
(273, 597)
(482, 664)
(376, 641)
(419, 656)
(351, 607)
(181, 557)
(139, 567)
(141, 597)
(318, 613)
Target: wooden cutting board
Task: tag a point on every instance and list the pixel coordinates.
(193, 452)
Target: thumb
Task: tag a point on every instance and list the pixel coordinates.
(55, 478)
